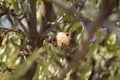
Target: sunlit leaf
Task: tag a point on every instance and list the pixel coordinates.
(16, 5)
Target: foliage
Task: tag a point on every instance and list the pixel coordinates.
(21, 45)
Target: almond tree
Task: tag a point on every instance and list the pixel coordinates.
(59, 39)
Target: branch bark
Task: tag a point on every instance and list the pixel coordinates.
(47, 15)
(32, 24)
(33, 36)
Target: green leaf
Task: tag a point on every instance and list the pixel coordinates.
(16, 6)
(12, 58)
(39, 2)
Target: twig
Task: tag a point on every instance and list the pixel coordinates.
(22, 25)
(11, 30)
(5, 9)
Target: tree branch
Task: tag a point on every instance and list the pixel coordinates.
(33, 38)
(11, 30)
(32, 18)
(47, 15)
